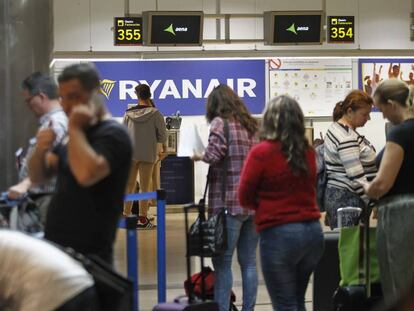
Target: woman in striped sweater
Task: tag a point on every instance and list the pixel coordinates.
(349, 157)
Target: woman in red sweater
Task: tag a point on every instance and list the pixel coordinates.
(278, 182)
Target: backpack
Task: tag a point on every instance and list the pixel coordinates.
(321, 176)
(209, 280)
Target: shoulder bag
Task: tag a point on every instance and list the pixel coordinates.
(211, 240)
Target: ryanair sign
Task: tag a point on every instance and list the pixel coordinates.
(181, 85)
(106, 87)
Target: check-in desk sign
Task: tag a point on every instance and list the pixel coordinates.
(341, 29)
(128, 31)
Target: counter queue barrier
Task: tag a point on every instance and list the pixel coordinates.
(130, 224)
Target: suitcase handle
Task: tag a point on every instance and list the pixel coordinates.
(180, 298)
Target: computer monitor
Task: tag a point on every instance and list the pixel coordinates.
(293, 27)
(173, 28)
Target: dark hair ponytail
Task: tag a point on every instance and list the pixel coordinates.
(338, 113)
(143, 91)
(355, 100)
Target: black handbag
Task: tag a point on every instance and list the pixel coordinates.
(211, 240)
(114, 291)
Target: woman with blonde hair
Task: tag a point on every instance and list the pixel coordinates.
(278, 183)
(394, 188)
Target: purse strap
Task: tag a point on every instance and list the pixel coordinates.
(224, 167)
(225, 161)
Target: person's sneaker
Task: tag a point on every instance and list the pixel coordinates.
(148, 225)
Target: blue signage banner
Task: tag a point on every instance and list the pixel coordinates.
(181, 85)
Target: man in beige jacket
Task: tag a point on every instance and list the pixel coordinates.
(146, 126)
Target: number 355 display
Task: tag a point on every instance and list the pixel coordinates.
(128, 31)
(341, 29)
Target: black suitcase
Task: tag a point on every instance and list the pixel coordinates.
(354, 298)
(326, 276)
(182, 303)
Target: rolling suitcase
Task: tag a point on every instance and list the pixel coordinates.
(366, 295)
(326, 275)
(190, 303)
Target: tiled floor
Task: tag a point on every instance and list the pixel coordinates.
(176, 269)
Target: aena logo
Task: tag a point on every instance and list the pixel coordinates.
(162, 89)
(170, 29)
(295, 30)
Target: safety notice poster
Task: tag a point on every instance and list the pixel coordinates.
(317, 84)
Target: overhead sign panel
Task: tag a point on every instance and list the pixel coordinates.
(293, 27)
(341, 29)
(128, 31)
(182, 85)
(173, 28)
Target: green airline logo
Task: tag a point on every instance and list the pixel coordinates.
(170, 29)
(292, 29)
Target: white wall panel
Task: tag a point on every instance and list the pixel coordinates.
(273, 5)
(209, 6)
(137, 6)
(244, 28)
(103, 13)
(180, 5)
(385, 24)
(71, 25)
(209, 30)
(237, 6)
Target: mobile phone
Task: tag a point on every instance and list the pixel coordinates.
(97, 105)
(96, 101)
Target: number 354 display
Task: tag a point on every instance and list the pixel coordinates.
(128, 31)
(341, 29)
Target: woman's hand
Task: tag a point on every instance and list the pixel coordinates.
(197, 156)
(162, 156)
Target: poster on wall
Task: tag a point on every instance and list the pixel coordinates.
(374, 70)
(317, 84)
(181, 85)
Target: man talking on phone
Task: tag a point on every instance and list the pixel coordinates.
(92, 167)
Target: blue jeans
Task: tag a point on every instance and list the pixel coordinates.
(241, 234)
(289, 254)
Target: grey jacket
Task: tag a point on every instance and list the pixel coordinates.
(146, 126)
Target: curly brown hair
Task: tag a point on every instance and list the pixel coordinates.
(283, 120)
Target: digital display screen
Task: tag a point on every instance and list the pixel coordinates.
(175, 29)
(341, 29)
(297, 29)
(128, 31)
